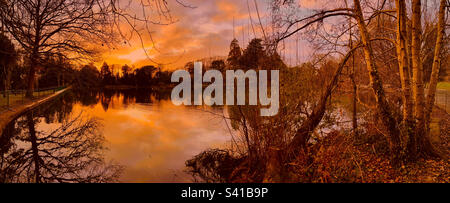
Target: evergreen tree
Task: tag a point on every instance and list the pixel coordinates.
(253, 54)
(234, 55)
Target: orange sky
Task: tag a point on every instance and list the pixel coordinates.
(153, 140)
(204, 31)
(198, 33)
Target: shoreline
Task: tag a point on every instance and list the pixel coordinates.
(16, 110)
(127, 87)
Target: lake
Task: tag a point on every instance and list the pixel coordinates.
(131, 135)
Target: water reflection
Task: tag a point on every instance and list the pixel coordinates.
(77, 137)
(71, 151)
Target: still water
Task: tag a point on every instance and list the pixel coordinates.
(125, 136)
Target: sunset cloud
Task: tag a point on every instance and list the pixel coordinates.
(200, 32)
(197, 33)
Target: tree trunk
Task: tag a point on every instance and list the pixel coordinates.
(303, 134)
(4, 82)
(404, 66)
(300, 140)
(425, 142)
(354, 86)
(7, 82)
(383, 107)
(31, 77)
(34, 147)
(402, 45)
(417, 79)
(4, 92)
(416, 143)
(246, 134)
(8, 79)
(436, 63)
(34, 57)
(59, 80)
(354, 102)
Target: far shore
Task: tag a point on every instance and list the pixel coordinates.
(153, 88)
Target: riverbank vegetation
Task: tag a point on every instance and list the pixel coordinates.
(357, 112)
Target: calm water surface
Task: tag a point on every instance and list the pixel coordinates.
(128, 135)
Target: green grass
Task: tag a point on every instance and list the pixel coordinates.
(443, 86)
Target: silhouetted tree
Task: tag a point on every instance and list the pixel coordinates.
(189, 67)
(18, 76)
(218, 65)
(234, 55)
(106, 74)
(252, 55)
(56, 72)
(8, 59)
(126, 75)
(144, 76)
(88, 78)
(163, 77)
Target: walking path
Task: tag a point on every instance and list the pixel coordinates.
(15, 110)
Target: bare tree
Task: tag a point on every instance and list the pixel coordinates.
(71, 153)
(437, 64)
(70, 27)
(408, 44)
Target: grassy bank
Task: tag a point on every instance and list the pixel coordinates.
(15, 109)
(444, 86)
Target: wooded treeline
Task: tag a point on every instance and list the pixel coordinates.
(56, 71)
(73, 31)
(145, 77)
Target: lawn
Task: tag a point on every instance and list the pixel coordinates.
(17, 98)
(443, 86)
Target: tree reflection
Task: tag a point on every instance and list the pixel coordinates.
(70, 153)
(49, 144)
(106, 99)
(111, 98)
